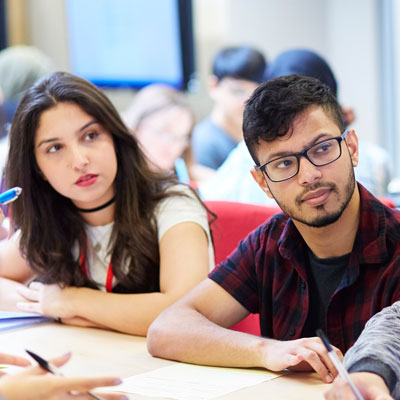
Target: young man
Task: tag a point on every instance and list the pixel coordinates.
(330, 261)
(237, 71)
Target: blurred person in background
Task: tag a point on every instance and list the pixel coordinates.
(237, 71)
(162, 121)
(20, 67)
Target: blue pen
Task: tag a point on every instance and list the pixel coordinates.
(10, 195)
(181, 170)
(339, 366)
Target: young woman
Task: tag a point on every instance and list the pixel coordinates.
(162, 121)
(93, 216)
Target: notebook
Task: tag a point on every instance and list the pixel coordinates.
(14, 320)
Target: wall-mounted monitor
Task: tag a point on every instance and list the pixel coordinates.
(131, 43)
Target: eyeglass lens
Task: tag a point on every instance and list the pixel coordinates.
(320, 154)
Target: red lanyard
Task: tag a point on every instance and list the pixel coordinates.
(110, 274)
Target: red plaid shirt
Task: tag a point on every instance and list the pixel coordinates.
(267, 275)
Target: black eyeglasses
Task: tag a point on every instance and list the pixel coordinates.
(286, 167)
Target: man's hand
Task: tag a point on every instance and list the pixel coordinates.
(371, 386)
(306, 354)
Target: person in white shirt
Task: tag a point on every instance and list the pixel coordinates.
(104, 241)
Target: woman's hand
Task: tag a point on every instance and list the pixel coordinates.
(49, 300)
(35, 384)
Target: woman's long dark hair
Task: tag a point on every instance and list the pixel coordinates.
(49, 222)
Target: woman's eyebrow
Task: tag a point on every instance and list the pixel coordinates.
(55, 139)
(86, 125)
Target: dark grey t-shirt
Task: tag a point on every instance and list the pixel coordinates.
(324, 277)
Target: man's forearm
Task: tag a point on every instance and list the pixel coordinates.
(184, 334)
(199, 341)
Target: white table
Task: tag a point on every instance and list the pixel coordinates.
(98, 352)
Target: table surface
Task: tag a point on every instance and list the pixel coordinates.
(97, 352)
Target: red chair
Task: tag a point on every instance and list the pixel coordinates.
(234, 222)
(387, 202)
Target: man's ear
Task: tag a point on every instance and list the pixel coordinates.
(258, 176)
(352, 145)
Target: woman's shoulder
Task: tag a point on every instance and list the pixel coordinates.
(179, 195)
(182, 205)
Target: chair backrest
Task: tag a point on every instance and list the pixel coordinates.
(234, 222)
(387, 202)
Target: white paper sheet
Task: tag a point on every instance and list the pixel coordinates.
(192, 382)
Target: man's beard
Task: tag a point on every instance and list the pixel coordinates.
(326, 218)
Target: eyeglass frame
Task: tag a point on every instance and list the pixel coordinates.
(304, 154)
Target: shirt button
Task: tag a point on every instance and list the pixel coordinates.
(292, 331)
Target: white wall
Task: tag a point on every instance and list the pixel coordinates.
(344, 32)
(354, 55)
(47, 29)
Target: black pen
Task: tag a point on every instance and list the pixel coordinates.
(339, 366)
(49, 367)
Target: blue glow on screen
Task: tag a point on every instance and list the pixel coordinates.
(125, 42)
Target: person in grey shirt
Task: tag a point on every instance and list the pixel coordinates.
(374, 360)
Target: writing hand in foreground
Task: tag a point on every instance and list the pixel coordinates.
(13, 360)
(305, 354)
(35, 384)
(371, 386)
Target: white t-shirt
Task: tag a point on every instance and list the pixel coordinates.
(170, 212)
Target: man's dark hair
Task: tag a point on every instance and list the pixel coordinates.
(239, 63)
(274, 105)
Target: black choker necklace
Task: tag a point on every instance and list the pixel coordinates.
(89, 210)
